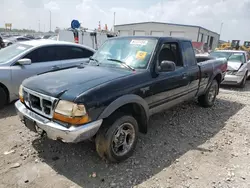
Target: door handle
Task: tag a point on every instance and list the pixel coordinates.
(55, 67)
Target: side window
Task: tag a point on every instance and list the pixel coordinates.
(72, 52)
(44, 54)
(32, 56)
(170, 52)
(188, 54)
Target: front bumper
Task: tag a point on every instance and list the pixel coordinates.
(54, 130)
(232, 79)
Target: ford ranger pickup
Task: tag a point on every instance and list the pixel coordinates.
(110, 98)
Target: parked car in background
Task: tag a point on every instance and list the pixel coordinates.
(111, 99)
(25, 59)
(46, 36)
(12, 40)
(238, 69)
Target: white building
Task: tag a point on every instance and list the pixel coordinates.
(194, 33)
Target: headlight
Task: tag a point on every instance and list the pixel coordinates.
(71, 113)
(21, 93)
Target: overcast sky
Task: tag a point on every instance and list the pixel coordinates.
(234, 14)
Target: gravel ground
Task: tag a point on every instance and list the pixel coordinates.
(187, 146)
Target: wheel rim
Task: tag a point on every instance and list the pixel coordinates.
(212, 93)
(123, 139)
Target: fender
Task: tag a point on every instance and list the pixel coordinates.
(216, 72)
(127, 99)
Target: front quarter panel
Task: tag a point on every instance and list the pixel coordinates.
(243, 69)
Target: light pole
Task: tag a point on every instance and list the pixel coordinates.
(50, 20)
(114, 22)
(38, 25)
(221, 27)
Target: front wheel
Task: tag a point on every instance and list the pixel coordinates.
(207, 99)
(3, 98)
(117, 138)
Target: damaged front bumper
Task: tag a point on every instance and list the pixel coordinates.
(233, 79)
(56, 131)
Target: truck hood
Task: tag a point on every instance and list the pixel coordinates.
(78, 79)
(232, 65)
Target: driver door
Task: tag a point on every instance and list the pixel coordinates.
(43, 60)
(168, 88)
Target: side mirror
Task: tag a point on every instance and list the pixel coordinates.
(167, 66)
(25, 61)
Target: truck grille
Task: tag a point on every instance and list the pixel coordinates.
(42, 104)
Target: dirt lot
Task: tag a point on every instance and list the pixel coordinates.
(187, 146)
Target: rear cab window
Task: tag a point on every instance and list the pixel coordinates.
(188, 54)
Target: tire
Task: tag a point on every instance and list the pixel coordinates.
(243, 82)
(117, 129)
(207, 99)
(3, 98)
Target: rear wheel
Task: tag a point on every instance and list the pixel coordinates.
(207, 100)
(117, 138)
(3, 98)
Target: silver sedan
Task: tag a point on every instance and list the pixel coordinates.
(25, 59)
(238, 69)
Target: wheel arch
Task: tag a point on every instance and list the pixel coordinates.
(133, 104)
(6, 90)
(216, 76)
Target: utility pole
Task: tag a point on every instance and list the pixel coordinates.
(50, 20)
(221, 27)
(114, 23)
(38, 25)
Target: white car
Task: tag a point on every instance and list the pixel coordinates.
(238, 68)
(25, 59)
(12, 40)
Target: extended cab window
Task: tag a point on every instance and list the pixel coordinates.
(170, 52)
(188, 54)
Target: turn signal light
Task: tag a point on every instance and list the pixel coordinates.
(71, 120)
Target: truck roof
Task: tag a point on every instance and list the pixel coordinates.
(154, 37)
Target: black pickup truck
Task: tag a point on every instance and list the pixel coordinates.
(111, 98)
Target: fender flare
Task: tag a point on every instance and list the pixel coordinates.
(128, 99)
(217, 72)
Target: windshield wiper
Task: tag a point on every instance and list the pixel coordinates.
(123, 63)
(95, 60)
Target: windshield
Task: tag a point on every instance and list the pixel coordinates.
(221, 54)
(12, 51)
(237, 57)
(134, 52)
(231, 56)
